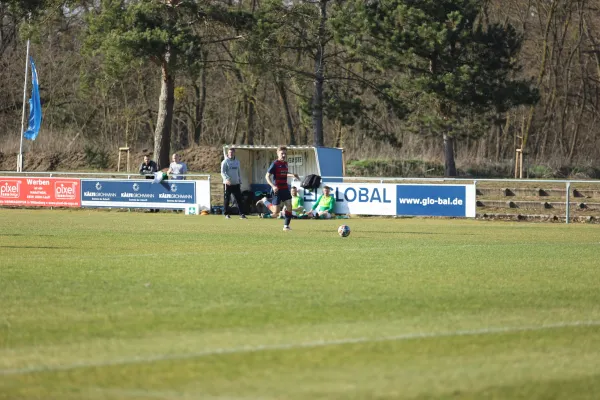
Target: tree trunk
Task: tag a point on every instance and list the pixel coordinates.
(238, 111)
(339, 135)
(250, 120)
(577, 124)
(449, 165)
(150, 120)
(499, 141)
(317, 105)
(250, 100)
(180, 134)
(542, 70)
(200, 92)
(317, 110)
(286, 108)
(166, 102)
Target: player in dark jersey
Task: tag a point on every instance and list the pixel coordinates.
(277, 176)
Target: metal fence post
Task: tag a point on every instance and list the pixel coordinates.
(568, 201)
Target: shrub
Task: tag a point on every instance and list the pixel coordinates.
(395, 168)
(540, 171)
(96, 157)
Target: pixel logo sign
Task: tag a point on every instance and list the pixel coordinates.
(10, 189)
(65, 190)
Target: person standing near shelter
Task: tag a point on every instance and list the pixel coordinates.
(232, 182)
(282, 196)
(148, 168)
(177, 169)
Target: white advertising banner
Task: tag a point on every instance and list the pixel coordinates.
(399, 199)
(357, 198)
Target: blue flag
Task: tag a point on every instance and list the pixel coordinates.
(35, 106)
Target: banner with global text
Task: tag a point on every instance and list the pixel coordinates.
(401, 200)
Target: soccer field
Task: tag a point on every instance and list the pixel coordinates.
(128, 305)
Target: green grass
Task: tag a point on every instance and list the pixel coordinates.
(119, 305)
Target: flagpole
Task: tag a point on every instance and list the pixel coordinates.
(20, 157)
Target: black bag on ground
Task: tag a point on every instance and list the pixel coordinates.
(311, 181)
(247, 201)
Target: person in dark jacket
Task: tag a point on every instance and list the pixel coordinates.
(148, 168)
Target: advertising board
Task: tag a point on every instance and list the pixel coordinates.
(40, 192)
(401, 200)
(169, 194)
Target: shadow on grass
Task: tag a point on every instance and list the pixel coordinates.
(438, 233)
(402, 232)
(22, 234)
(36, 247)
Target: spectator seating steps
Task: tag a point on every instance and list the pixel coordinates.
(538, 192)
(536, 204)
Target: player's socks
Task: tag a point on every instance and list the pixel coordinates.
(272, 208)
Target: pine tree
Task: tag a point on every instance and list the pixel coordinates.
(452, 69)
(160, 32)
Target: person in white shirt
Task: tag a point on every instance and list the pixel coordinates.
(177, 169)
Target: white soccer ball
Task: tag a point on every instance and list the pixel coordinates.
(344, 230)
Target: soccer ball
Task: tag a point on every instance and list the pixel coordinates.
(344, 230)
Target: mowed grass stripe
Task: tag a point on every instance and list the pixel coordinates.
(448, 367)
(294, 346)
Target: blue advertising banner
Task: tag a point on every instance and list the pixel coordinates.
(435, 200)
(137, 193)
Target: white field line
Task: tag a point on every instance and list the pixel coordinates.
(293, 346)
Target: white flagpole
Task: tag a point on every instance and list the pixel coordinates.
(20, 157)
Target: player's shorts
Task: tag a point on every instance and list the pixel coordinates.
(281, 196)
